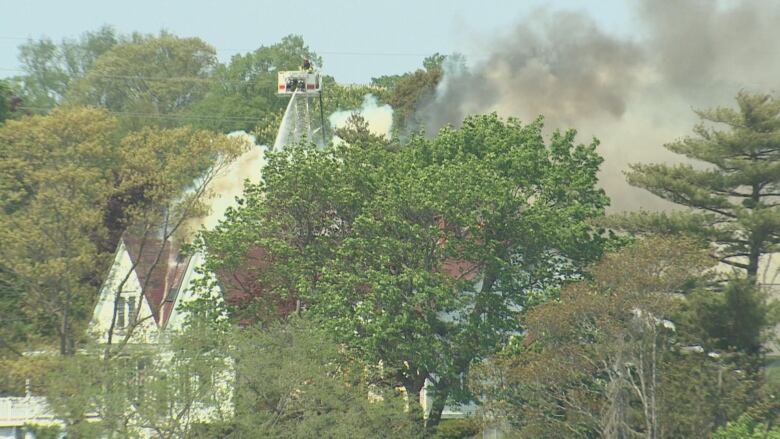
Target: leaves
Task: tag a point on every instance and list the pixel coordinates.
(417, 256)
(736, 190)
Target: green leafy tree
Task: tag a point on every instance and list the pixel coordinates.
(734, 197)
(408, 91)
(419, 257)
(294, 381)
(68, 187)
(57, 172)
(282, 381)
(5, 101)
(746, 428)
(149, 78)
(606, 360)
(734, 319)
(242, 93)
(164, 393)
(50, 68)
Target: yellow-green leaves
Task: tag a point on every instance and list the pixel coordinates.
(69, 186)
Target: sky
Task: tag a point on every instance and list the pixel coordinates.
(357, 39)
(627, 72)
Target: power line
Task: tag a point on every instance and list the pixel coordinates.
(151, 78)
(323, 52)
(158, 115)
(154, 78)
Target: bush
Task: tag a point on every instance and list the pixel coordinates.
(464, 428)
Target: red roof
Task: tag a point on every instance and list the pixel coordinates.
(160, 270)
(242, 285)
(460, 269)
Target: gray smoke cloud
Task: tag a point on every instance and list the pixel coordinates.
(634, 94)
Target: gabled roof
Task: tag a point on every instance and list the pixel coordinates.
(160, 270)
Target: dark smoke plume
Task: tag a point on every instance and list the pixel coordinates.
(633, 94)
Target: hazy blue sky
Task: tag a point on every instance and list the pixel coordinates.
(358, 39)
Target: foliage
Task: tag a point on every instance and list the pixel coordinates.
(464, 428)
(282, 381)
(607, 361)
(160, 392)
(50, 68)
(43, 431)
(25, 372)
(294, 381)
(735, 195)
(735, 319)
(418, 257)
(5, 101)
(69, 186)
(406, 92)
(746, 428)
(242, 95)
(148, 79)
(56, 169)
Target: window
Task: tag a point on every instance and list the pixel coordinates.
(131, 310)
(120, 312)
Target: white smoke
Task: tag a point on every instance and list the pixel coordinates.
(379, 117)
(222, 190)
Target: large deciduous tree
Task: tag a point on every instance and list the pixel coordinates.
(419, 257)
(281, 381)
(69, 184)
(735, 196)
(243, 92)
(406, 92)
(50, 67)
(149, 78)
(615, 358)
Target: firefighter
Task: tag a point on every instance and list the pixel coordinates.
(306, 65)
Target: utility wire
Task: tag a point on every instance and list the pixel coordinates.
(157, 115)
(155, 78)
(225, 49)
(152, 78)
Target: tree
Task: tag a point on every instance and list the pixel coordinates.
(746, 428)
(243, 92)
(56, 170)
(149, 79)
(735, 197)
(164, 393)
(612, 360)
(418, 257)
(283, 381)
(50, 68)
(5, 101)
(408, 91)
(734, 319)
(294, 381)
(69, 187)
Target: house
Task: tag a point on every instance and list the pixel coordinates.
(146, 282)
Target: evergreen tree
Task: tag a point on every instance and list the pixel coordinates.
(734, 198)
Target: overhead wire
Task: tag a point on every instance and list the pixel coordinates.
(157, 115)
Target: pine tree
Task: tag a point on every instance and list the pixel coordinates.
(736, 194)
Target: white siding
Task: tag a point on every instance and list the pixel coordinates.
(146, 331)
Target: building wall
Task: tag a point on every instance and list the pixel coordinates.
(146, 330)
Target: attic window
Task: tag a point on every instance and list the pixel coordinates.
(131, 309)
(120, 312)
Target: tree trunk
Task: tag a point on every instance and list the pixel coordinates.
(755, 241)
(65, 341)
(439, 399)
(755, 254)
(413, 388)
